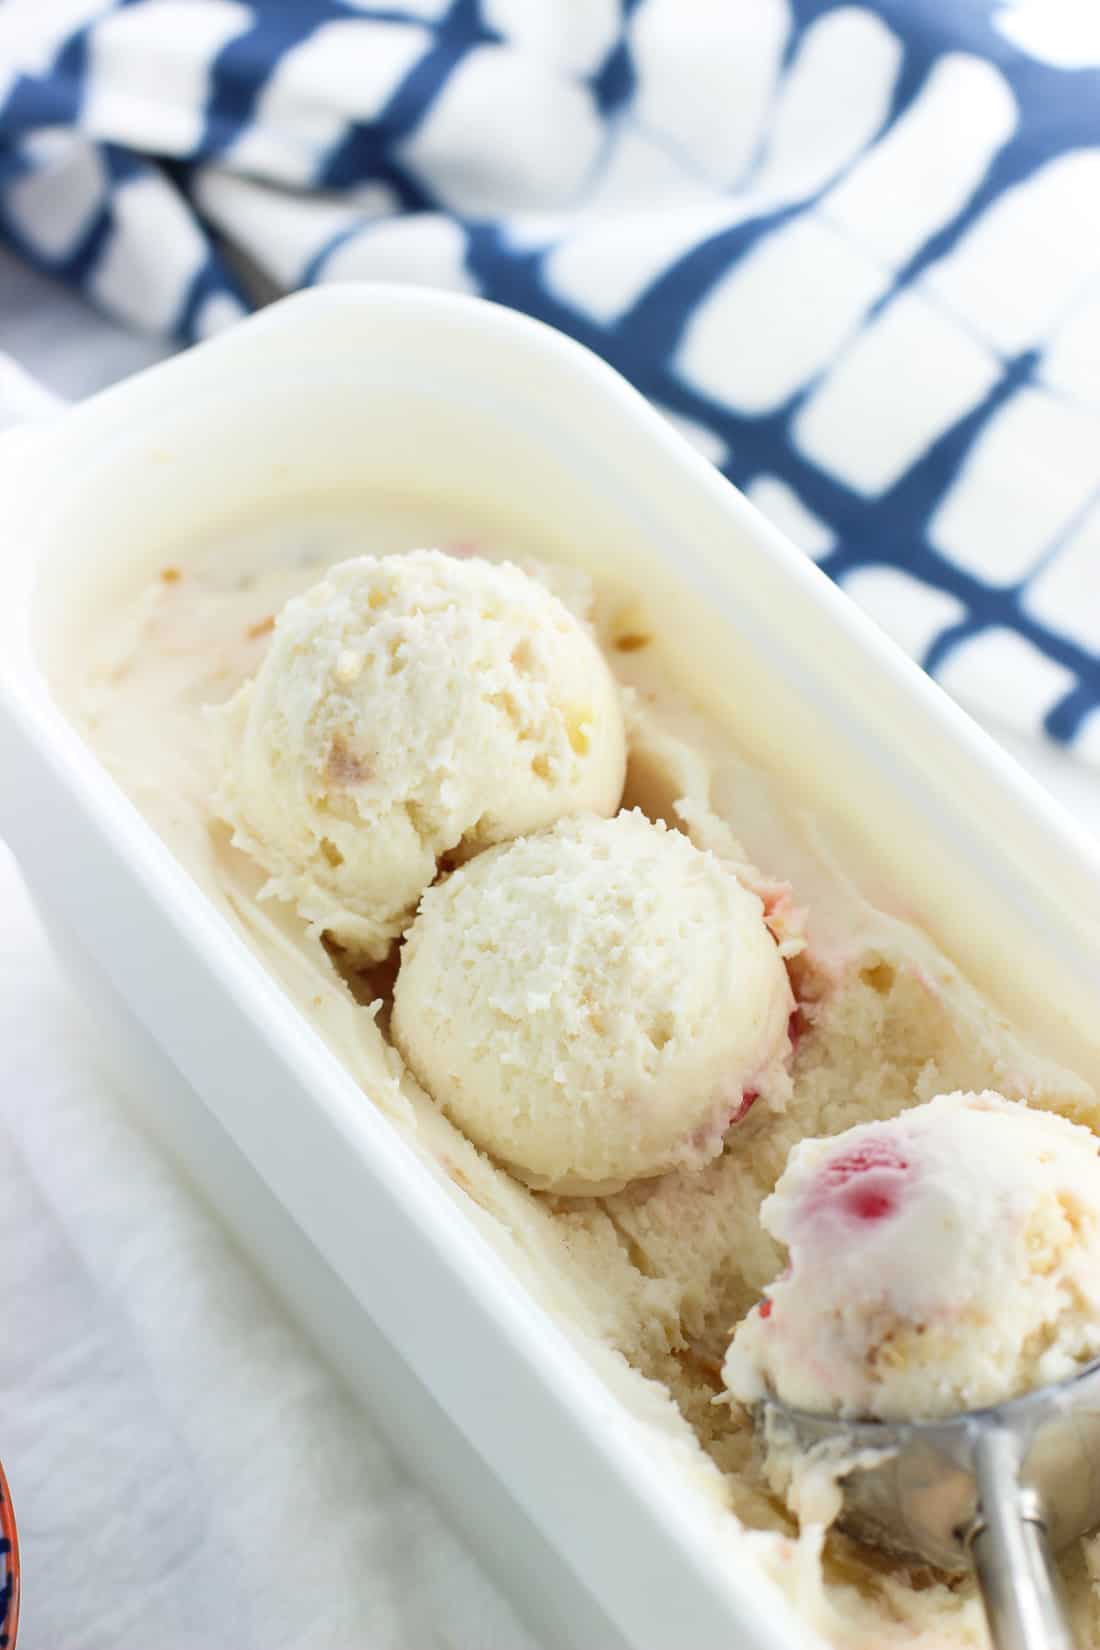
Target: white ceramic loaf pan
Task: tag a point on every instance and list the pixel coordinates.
(355, 387)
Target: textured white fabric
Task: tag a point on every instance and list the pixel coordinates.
(185, 1471)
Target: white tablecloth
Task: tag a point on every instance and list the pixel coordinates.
(185, 1471)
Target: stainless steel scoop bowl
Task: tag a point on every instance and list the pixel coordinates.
(994, 1490)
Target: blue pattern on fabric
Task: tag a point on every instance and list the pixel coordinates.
(854, 249)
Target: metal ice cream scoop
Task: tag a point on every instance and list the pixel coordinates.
(997, 1490)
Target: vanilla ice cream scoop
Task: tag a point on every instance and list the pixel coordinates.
(594, 1004)
(943, 1261)
(408, 708)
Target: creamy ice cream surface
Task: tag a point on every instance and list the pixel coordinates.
(409, 708)
(707, 921)
(595, 1004)
(943, 1260)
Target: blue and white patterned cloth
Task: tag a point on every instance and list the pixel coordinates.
(853, 249)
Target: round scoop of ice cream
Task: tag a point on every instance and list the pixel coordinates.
(939, 1262)
(595, 1004)
(411, 707)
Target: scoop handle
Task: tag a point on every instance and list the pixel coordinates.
(1019, 1584)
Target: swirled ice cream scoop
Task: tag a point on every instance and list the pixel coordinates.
(411, 707)
(594, 1004)
(938, 1262)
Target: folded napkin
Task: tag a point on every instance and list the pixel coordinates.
(854, 250)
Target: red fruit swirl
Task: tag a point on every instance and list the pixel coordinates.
(866, 1183)
(748, 1101)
